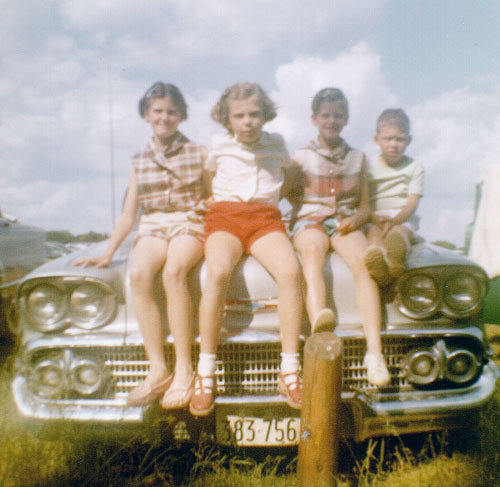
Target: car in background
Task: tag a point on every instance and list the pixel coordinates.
(82, 350)
(22, 248)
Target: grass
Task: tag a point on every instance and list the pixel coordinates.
(83, 457)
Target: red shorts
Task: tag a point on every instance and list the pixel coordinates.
(246, 221)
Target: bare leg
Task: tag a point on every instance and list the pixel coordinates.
(313, 245)
(222, 252)
(375, 236)
(275, 252)
(351, 248)
(148, 258)
(183, 253)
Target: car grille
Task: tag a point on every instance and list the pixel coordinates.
(252, 368)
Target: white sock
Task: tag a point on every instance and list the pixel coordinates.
(206, 364)
(289, 362)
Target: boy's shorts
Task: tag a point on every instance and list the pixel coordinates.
(167, 225)
(327, 225)
(411, 223)
(246, 221)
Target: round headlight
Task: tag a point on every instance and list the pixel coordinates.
(48, 378)
(90, 306)
(462, 293)
(420, 296)
(422, 367)
(461, 366)
(45, 306)
(86, 376)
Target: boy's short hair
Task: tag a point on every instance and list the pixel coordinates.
(162, 90)
(241, 91)
(394, 116)
(330, 95)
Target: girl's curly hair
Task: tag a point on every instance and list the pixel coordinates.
(241, 91)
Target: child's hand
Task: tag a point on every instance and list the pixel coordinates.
(348, 224)
(380, 220)
(209, 201)
(99, 262)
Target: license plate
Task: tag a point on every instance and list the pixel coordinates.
(257, 431)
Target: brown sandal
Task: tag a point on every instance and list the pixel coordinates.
(145, 393)
(183, 394)
(203, 399)
(292, 390)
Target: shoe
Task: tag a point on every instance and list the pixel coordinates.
(325, 321)
(290, 386)
(397, 248)
(145, 394)
(203, 398)
(377, 266)
(178, 397)
(377, 372)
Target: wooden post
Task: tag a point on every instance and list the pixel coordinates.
(319, 435)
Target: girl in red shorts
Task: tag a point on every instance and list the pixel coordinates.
(247, 168)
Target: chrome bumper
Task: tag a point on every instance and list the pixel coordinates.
(367, 414)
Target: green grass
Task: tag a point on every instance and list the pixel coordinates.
(83, 457)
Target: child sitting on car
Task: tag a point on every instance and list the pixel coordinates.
(247, 166)
(395, 182)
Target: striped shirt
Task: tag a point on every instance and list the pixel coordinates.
(328, 182)
(170, 180)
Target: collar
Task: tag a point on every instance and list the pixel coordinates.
(174, 144)
(335, 155)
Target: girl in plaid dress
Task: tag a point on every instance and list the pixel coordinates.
(332, 203)
(166, 184)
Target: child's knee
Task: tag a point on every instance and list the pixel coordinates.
(140, 278)
(175, 272)
(219, 274)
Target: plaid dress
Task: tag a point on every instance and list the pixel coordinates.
(170, 180)
(328, 182)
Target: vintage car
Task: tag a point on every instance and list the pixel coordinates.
(22, 248)
(82, 351)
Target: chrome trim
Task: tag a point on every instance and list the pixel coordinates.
(440, 274)
(373, 413)
(65, 284)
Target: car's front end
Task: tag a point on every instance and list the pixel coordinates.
(83, 352)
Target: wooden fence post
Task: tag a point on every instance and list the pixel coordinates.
(319, 432)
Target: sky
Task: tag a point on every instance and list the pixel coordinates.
(72, 72)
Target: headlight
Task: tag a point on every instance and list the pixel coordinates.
(461, 366)
(45, 306)
(90, 306)
(85, 376)
(419, 296)
(461, 293)
(422, 367)
(48, 377)
(65, 373)
(52, 304)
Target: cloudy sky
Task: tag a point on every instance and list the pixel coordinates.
(72, 72)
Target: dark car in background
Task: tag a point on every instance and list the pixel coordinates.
(22, 248)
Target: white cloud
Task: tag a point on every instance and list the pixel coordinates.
(356, 71)
(456, 136)
(54, 93)
(178, 33)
